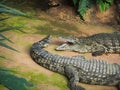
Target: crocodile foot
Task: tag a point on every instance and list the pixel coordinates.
(75, 87)
(72, 75)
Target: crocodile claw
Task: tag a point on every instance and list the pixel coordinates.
(76, 87)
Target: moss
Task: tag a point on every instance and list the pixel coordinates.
(54, 79)
(41, 26)
(63, 25)
(59, 81)
(48, 29)
(55, 28)
(30, 25)
(16, 21)
(3, 88)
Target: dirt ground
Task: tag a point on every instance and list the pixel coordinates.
(24, 60)
(38, 29)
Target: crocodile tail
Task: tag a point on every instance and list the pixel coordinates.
(43, 43)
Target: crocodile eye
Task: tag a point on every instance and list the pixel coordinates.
(70, 43)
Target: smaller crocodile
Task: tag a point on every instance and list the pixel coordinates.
(76, 68)
(96, 44)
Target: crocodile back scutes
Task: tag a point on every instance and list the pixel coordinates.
(99, 72)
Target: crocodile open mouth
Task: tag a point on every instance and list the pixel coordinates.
(64, 46)
(68, 41)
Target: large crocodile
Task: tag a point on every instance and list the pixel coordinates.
(96, 44)
(76, 68)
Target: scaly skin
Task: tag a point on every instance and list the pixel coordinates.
(96, 44)
(76, 68)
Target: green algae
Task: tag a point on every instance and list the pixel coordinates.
(55, 80)
(56, 28)
(59, 81)
(48, 29)
(63, 25)
(41, 26)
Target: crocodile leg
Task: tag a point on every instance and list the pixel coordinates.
(98, 51)
(119, 86)
(72, 75)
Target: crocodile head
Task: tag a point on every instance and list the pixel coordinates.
(81, 44)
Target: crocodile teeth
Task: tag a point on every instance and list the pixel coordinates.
(62, 47)
(68, 39)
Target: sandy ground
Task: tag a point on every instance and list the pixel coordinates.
(23, 60)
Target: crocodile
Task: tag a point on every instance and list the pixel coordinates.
(76, 68)
(96, 44)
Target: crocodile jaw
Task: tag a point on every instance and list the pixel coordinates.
(74, 44)
(72, 47)
(63, 47)
(70, 41)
